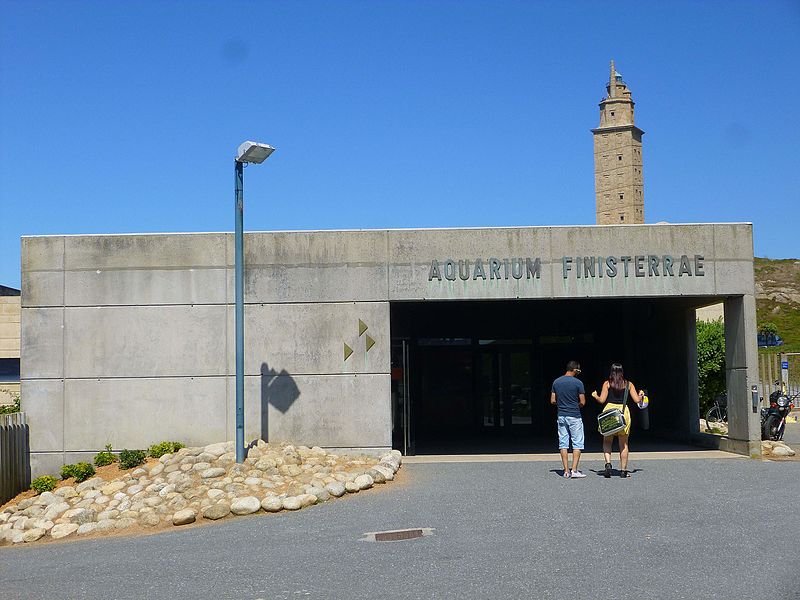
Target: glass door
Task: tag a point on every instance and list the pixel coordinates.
(504, 388)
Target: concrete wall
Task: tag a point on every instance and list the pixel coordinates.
(128, 339)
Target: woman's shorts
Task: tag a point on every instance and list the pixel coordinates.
(627, 413)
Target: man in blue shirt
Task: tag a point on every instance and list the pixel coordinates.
(569, 395)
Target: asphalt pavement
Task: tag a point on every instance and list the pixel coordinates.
(692, 528)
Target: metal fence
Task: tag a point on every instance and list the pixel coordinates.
(15, 455)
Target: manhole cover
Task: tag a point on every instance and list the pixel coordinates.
(397, 535)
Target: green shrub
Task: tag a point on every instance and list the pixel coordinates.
(45, 483)
(129, 459)
(162, 448)
(80, 471)
(8, 409)
(106, 457)
(710, 361)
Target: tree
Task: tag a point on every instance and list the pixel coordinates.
(768, 329)
(710, 361)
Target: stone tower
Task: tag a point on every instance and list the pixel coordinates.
(619, 191)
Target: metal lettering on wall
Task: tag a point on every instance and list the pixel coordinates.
(578, 267)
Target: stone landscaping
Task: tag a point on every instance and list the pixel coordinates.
(195, 484)
(776, 449)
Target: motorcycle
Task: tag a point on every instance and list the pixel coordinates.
(773, 419)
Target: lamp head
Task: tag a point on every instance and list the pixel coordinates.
(253, 152)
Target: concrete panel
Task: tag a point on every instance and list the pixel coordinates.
(146, 251)
(632, 241)
(412, 252)
(42, 288)
(343, 411)
(42, 343)
(134, 413)
(145, 286)
(47, 463)
(320, 266)
(310, 338)
(145, 341)
(44, 253)
(733, 241)
(44, 406)
(734, 277)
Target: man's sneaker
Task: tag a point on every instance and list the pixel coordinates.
(624, 474)
(566, 474)
(577, 475)
(607, 472)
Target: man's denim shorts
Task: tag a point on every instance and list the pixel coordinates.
(570, 427)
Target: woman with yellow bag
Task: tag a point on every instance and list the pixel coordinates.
(615, 419)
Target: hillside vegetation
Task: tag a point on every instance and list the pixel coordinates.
(778, 299)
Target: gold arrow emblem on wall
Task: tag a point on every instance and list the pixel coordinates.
(348, 351)
(362, 327)
(370, 343)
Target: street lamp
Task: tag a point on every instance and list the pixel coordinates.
(249, 152)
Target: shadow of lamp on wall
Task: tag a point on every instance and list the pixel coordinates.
(278, 390)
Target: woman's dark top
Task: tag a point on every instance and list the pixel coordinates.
(616, 396)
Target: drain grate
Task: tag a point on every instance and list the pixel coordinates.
(397, 535)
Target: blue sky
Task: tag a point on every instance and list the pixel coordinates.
(124, 117)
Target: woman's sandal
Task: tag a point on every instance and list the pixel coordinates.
(607, 472)
(624, 474)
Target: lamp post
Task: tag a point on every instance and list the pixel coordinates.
(249, 152)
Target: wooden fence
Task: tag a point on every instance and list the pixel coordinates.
(15, 456)
(769, 371)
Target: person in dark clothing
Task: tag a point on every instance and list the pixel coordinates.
(613, 396)
(569, 396)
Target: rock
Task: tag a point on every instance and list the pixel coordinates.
(156, 469)
(102, 500)
(201, 466)
(20, 523)
(149, 519)
(184, 517)
(387, 472)
(89, 484)
(272, 504)
(33, 534)
(212, 472)
(112, 488)
(86, 528)
(138, 472)
(307, 500)
(153, 501)
(66, 492)
(377, 476)
(266, 463)
(168, 489)
(335, 489)
(215, 494)
(782, 451)
(47, 498)
(351, 487)
(124, 523)
(217, 511)
(79, 516)
(252, 481)
(364, 482)
(107, 514)
(63, 530)
(245, 506)
(43, 524)
(320, 494)
(15, 536)
(291, 503)
(216, 450)
(54, 510)
(27, 503)
(105, 525)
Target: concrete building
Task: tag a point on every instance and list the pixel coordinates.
(618, 180)
(426, 340)
(9, 344)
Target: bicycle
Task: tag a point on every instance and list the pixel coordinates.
(718, 413)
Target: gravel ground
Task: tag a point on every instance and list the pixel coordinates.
(698, 529)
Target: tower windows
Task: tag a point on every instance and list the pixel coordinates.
(619, 156)
(622, 196)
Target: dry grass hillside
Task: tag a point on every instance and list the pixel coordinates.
(778, 299)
